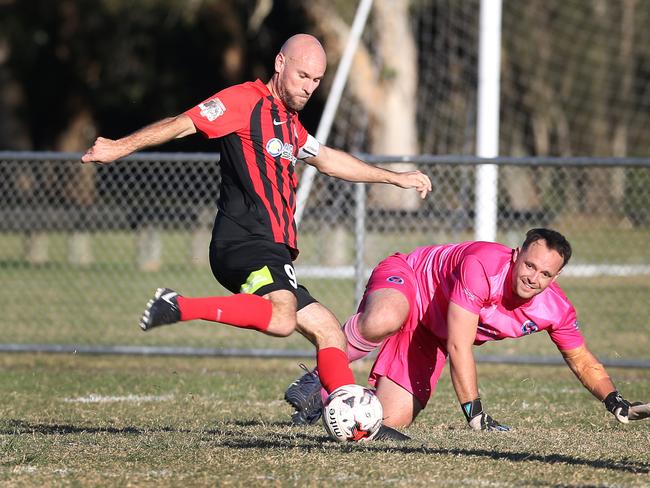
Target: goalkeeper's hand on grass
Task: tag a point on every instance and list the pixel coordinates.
(477, 419)
(625, 411)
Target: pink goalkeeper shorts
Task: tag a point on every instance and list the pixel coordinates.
(412, 357)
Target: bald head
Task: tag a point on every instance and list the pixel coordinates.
(299, 68)
(306, 46)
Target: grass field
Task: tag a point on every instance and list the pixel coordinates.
(73, 420)
(76, 420)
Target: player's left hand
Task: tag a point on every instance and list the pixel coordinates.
(625, 411)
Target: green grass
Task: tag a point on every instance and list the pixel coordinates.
(73, 420)
(76, 420)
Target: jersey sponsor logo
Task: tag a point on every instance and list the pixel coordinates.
(287, 153)
(395, 279)
(279, 122)
(212, 109)
(529, 327)
(256, 280)
(274, 147)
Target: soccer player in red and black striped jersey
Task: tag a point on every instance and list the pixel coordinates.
(254, 236)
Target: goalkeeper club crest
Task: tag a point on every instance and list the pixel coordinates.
(529, 327)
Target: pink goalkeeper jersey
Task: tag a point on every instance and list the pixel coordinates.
(477, 276)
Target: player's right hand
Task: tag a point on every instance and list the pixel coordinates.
(625, 411)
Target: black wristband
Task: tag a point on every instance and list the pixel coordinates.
(613, 400)
(472, 409)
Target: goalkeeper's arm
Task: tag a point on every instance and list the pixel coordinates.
(593, 376)
(462, 332)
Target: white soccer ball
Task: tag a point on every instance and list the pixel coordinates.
(352, 413)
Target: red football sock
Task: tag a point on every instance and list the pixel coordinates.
(241, 310)
(333, 368)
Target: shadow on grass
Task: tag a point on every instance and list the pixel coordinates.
(288, 440)
(320, 443)
(20, 427)
(293, 437)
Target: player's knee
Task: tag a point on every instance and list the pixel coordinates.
(282, 324)
(376, 325)
(384, 314)
(283, 315)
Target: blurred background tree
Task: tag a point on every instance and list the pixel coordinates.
(575, 73)
(71, 69)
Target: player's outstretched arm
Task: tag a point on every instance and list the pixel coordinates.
(462, 332)
(105, 151)
(593, 376)
(340, 164)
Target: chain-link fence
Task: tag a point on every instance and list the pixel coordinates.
(82, 247)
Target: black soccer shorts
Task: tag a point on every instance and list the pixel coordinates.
(257, 267)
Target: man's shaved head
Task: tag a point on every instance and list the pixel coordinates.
(304, 45)
(299, 69)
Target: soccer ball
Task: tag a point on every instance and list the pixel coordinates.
(352, 413)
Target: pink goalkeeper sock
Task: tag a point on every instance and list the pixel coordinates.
(358, 347)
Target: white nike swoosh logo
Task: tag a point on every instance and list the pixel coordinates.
(168, 298)
(279, 122)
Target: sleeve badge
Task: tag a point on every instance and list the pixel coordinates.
(212, 109)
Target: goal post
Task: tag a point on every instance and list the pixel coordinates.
(487, 132)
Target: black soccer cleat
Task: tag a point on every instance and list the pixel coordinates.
(304, 395)
(389, 434)
(161, 309)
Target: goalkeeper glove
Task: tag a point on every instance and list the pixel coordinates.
(625, 411)
(477, 419)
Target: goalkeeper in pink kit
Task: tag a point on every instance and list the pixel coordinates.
(437, 302)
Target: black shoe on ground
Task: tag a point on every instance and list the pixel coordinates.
(161, 309)
(389, 434)
(304, 395)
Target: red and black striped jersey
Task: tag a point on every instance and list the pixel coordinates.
(259, 142)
